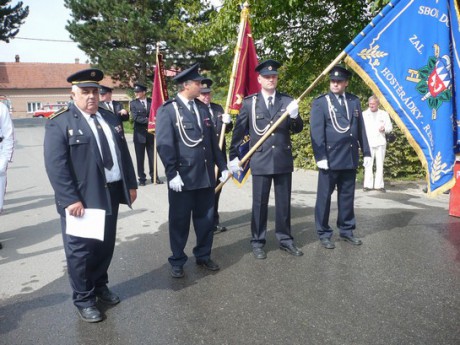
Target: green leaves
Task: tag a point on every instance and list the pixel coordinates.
(11, 18)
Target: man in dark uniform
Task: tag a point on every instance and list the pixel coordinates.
(89, 167)
(272, 161)
(337, 135)
(218, 118)
(107, 103)
(143, 140)
(187, 145)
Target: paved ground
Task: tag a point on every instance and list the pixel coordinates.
(402, 286)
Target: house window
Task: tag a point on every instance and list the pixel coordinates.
(33, 106)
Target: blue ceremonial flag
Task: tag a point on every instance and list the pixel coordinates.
(409, 57)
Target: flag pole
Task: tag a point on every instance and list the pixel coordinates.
(285, 115)
(155, 154)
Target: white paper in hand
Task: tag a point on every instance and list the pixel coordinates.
(91, 225)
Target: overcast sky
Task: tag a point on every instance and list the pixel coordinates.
(46, 22)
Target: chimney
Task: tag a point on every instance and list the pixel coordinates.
(77, 61)
(16, 58)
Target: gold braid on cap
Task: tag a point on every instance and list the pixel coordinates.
(84, 81)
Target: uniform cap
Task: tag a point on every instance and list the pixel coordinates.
(339, 73)
(86, 78)
(190, 73)
(139, 88)
(268, 67)
(206, 85)
(104, 89)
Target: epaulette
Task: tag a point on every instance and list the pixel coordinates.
(324, 94)
(59, 112)
(254, 94)
(170, 100)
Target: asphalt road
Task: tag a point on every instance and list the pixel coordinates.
(402, 286)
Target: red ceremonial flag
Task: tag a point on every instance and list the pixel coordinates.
(243, 82)
(159, 91)
(244, 76)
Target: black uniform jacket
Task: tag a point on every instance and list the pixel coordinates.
(140, 116)
(195, 164)
(274, 156)
(74, 165)
(117, 107)
(340, 149)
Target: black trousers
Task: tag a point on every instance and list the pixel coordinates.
(197, 205)
(88, 259)
(141, 149)
(261, 185)
(345, 182)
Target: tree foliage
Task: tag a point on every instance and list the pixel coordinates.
(11, 18)
(121, 36)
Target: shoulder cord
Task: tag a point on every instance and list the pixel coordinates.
(259, 132)
(183, 135)
(333, 117)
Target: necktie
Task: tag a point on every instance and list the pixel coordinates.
(105, 149)
(213, 118)
(341, 100)
(270, 104)
(192, 109)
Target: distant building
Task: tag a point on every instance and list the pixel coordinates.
(29, 86)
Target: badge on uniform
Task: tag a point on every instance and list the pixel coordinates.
(118, 128)
(70, 132)
(356, 113)
(207, 122)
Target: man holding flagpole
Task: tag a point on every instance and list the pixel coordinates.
(273, 161)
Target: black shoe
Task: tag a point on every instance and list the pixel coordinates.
(158, 181)
(219, 228)
(291, 249)
(327, 243)
(1, 245)
(90, 314)
(141, 183)
(259, 253)
(383, 190)
(108, 297)
(367, 189)
(177, 271)
(353, 240)
(208, 264)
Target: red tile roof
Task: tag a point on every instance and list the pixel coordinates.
(25, 75)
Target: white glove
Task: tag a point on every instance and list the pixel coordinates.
(293, 109)
(225, 175)
(234, 166)
(322, 164)
(367, 162)
(226, 118)
(176, 183)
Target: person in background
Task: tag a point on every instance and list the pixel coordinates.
(187, 145)
(89, 166)
(377, 123)
(219, 118)
(337, 135)
(107, 103)
(143, 140)
(6, 150)
(272, 162)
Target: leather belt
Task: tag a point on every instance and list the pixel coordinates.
(114, 184)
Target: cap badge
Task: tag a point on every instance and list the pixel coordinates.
(336, 73)
(270, 68)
